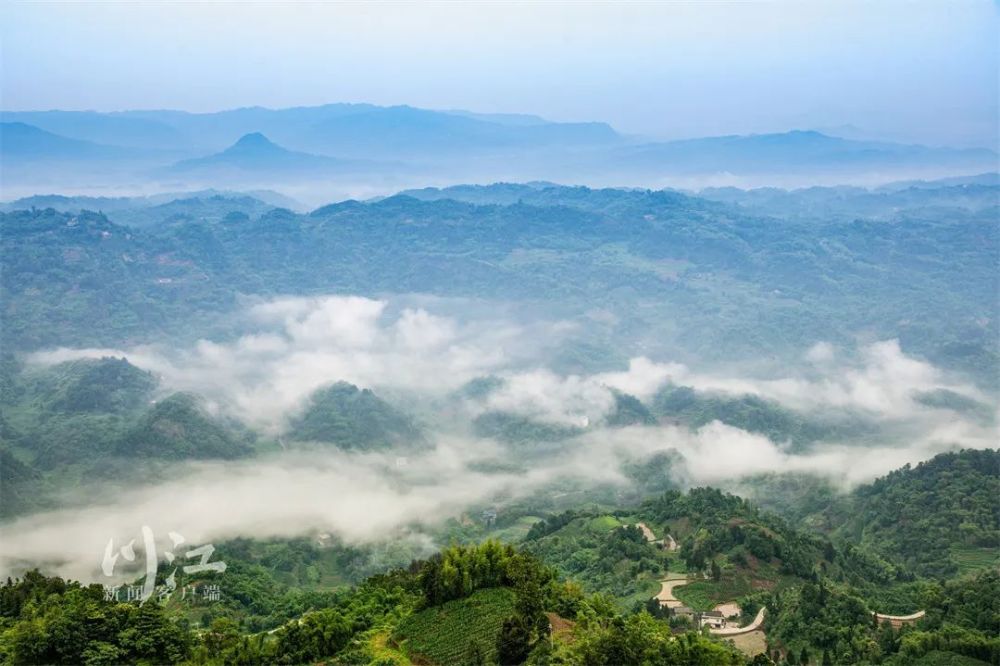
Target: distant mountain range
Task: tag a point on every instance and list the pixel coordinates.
(389, 148)
(23, 142)
(788, 151)
(335, 129)
(255, 152)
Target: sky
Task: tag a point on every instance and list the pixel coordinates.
(924, 71)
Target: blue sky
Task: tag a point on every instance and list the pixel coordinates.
(917, 71)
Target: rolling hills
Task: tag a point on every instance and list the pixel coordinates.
(682, 258)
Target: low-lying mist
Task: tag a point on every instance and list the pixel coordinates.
(421, 354)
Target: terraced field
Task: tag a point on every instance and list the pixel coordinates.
(973, 559)
(703, 595)
(444, 635)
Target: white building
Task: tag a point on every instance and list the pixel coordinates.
(712, 619)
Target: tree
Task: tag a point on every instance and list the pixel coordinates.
(887, 638)
(223, 635)
(474, 654)
(514, 641)
(716, 571)
(804, 656)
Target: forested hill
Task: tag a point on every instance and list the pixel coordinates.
(650, 258)
(578, 591)
(64, 426)
(938, 517)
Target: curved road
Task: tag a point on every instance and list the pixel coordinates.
(666, 596)
(735, 631)
(898, 621)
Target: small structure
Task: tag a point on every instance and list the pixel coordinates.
(712, 620)
(684, 611)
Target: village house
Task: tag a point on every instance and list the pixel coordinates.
(712, 619)
(684, 611)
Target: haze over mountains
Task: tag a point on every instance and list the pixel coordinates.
(326, 388)
(325, 152)
(604, 332)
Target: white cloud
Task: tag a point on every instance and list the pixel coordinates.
(305, 343)
(882, 381)
(300, 344)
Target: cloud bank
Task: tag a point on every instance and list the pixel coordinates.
(296, 345)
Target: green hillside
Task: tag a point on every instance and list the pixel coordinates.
(179, 428)
(682, 404)
(349, 417)
(458, 632)
(477, 603)
(935, 517)
(740, 281)
(103, 385)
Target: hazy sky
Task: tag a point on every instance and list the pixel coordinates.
(915, 70)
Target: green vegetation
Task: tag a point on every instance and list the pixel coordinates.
(287, 602)
(603, 637)
(492, 610)
(178, 428)
(450, 634)
(703, 595)
(78, 278)
(49, 621)
(924, 516)
(602, 554)
(751, 413)
(972, 559)
(963, 619)
(349, 417)
(66, 425)
(516, 429)
(629, 410)
(715, 523)
(939, 518)
(107, 385)
(73, 424)
(938, 658)
(921, 538)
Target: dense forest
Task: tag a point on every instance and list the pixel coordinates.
(576, 586)
(89, 278)
(604, 333)
(540, 536)
(575, 592)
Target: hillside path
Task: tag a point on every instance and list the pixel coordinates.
(734, 631)
(666, 596)
(898, 621)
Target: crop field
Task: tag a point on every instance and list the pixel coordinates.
(971, 559)
(444, 634)
(517, 531)
(703, 595)
(938, 658)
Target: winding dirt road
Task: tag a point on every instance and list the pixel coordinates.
(735, 631)
(666, 596)
(899, 620)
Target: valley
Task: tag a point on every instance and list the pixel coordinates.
(467, 426)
